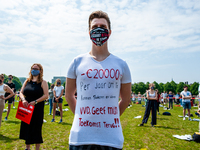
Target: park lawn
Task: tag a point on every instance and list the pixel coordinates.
(56, 135)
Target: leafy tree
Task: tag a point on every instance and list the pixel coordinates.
(17, 83)
(194, 88)
(156, 85)
(179, 87)
(174, 85)
(161, 87)
(141, 87)
(168, 87)
(49, 85)
(63, 85)
(147, 85)
(135, 88)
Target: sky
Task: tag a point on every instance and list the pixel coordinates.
(159, 40)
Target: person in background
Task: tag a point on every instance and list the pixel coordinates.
(58, 93)
(51, 98)
(139, 98)
(145, 98)
(177, 98)
(133, 98)
(198, 111)
(3, 89)
(170, 95)
(10, 100)
(164, 96)
(158, 100)
(33, 92)
(186, 96)
(151, 105)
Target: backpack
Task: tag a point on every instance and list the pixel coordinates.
(196, 137)
(167, 113)
(57, 113)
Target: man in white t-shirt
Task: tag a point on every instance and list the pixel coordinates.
(164, 96)
(186, 97)
(100, 78)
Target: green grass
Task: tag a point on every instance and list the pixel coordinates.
(56, 135)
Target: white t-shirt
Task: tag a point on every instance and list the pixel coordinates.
(164, 95)
(186, 94)
(97, 117)
(58, 90)
(2, 92)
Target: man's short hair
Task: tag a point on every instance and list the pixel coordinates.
(10, 76)
(99, 14)
(185, 86)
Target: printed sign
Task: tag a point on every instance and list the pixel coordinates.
(24, 114)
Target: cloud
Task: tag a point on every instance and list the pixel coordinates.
(44, 30)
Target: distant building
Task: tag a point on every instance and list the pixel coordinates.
(63, 79)
(22, 79)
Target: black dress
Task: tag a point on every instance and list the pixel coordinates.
(32, 133)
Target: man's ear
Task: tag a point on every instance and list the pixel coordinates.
(110, 32)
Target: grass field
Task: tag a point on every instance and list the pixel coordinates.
(56, 135)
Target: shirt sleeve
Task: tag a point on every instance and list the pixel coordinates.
(62, 88)
(71, 73)
(126, 76)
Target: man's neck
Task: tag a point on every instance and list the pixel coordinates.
(10, 81)
(99, 53)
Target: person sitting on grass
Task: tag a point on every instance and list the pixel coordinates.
(198, 111)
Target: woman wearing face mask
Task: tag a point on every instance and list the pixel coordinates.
(57, 92)
(3, 89)
(150, 105)
(33, 92)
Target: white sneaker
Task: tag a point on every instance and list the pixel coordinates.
(189, 119)
(13, 106)
(183, 118)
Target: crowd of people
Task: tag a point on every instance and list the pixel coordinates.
(153, 99)
(99, 78)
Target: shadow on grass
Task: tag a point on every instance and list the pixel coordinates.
(65, 123)
(6, 139)
(14, 122)
(162, 119)
(164, 127)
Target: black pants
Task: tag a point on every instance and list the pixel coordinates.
(150, 105)
(158, 103)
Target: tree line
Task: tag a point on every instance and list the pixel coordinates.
(136, 87)
(169, 86)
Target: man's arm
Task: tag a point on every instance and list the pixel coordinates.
(70, 89)
(125, 93)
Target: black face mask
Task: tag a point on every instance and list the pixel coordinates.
(99, 36)
(0, 81)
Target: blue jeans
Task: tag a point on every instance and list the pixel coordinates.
(171, 103)
(92, 147)
(50, 105)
